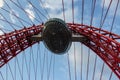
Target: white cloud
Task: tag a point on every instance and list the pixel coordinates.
(52, 5)
(0, 30)
(113, 6)
(1, 17)
(1, 3)
(58, 3)
(30, 12)
(1, 33)
(48, 6)
(1, 25)
(12, 17)
(55, 9)
(78, 55)
(97, 76)
(107, 2)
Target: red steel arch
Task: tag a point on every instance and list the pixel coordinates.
(102, 42)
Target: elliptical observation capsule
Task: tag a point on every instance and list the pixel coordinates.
(57, 36)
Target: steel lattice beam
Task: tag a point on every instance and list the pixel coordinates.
(13, 43)
(102, 42)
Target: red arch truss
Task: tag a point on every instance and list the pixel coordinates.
(102, 42)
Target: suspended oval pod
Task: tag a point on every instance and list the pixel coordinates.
(56, 36)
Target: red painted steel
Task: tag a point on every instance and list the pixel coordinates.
(102, 42)
(13, 43)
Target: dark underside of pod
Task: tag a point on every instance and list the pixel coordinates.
(56, 36)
